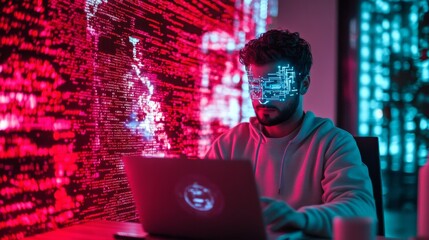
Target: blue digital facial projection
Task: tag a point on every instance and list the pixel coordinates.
(277, 86)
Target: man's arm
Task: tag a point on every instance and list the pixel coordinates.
(346, 185)
(278, 214)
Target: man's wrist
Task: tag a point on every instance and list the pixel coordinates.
(304, 221)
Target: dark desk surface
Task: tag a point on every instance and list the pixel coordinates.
(97, 230)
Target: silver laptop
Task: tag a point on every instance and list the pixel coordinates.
(196, 199)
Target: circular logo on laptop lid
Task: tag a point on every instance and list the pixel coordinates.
(198, 196)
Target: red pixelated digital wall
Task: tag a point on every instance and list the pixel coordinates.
(85, 82)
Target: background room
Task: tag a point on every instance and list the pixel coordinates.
(86, 82)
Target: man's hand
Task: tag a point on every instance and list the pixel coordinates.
(279, 214)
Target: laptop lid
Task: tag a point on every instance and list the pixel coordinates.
(200, 199)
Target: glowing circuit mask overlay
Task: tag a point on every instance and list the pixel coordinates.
(275, 86)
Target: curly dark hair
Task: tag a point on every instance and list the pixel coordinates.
(276, 45)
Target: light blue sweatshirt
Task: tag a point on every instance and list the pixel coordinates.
(317, 169)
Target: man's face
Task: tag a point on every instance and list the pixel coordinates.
(270, 113)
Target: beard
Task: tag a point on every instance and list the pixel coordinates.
(281, 115)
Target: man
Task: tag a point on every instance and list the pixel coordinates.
(307, 170)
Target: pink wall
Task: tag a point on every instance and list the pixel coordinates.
(316, 21)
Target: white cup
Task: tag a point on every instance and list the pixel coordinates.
(354, 228)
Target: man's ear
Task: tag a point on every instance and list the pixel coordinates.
(305, 84)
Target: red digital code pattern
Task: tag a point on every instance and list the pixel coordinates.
(84, 83)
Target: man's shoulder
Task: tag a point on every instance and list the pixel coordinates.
(239, 129)
(328, 126)
(326, 133)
